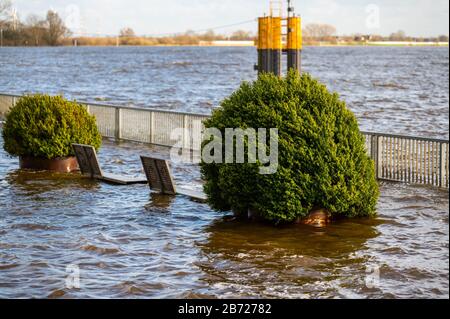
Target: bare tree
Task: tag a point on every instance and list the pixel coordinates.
(56, 29)
(319, 31)
(398, 36)
(209, 36)
(127, 33)
(36, 29)
(443, 38)
(241, 35)
(5, 7)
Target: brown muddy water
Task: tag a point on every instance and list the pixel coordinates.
(129, 243)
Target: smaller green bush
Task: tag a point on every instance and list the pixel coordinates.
(45, 127)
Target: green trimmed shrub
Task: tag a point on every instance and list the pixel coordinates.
(45, 127)
(323, 162)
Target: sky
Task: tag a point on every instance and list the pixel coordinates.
(155, 17)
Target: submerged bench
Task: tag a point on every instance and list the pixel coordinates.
(160, 179)
(89, 166)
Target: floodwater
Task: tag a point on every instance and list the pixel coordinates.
(390, 89)
(128, 243)
(125, 242)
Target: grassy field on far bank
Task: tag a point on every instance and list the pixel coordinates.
(151, 42)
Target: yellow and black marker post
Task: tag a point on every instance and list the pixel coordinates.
(270, 42)
(264, 43)
(277, 46)
(294, 43)
(269, 45)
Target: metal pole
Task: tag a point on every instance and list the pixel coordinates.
(441, 165)
(152, 128)
(379, 160)
(118, 124)
(1, 38)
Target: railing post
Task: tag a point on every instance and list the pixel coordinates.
(186, 142)
(196, 135)
(152, 127)
(441, 165)
(379, 157)
(118, 126)
(371, 145)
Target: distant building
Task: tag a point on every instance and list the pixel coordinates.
(362, 38)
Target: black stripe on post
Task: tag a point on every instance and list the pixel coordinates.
(276, 62)
(294, 60)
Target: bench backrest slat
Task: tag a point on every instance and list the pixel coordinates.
(159, 175)
(87, 160)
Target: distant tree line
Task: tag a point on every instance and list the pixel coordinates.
(319, 32)
(314, 32)
(35, 31)
(399, 36)
(51, 31)
(127, 36)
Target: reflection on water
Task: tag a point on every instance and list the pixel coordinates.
(241, 256)
(130, 243)
(35, 182)
(159, 203)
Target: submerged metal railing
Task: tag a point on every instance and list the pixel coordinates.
(409, 159)
(148, 125)
(397, 158)
(6, 102)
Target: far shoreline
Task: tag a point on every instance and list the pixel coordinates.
(435, 45)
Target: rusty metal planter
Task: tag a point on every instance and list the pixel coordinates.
(61, 165)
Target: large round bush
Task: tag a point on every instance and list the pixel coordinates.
(45, 127)
(323, 163)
